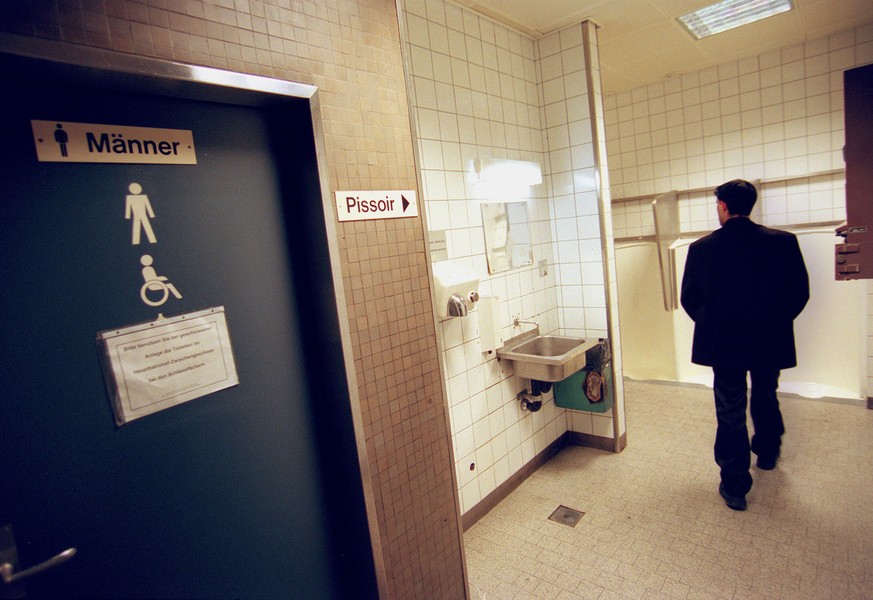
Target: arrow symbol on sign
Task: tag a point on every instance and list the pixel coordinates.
(405, 202)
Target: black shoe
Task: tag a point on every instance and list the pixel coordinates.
(733, 502)
(767, 464)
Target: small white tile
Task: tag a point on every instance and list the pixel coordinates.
(458, 241)
(425, 98)
(551, 67)
(463, 442)
(580, 422)
(457, 44)
(489, 56)
(601, 425)
(553, 90)
(437, 215)
(470, 496)
(442, 67)
(460, 73)
(487, 481)
(841, 60)
(431, 154)
(476, 377)
(434, 185)
(481, 434)
(471, 23)
(429, 124)
(560, 160)
(460, 412)
(449, 127)
(817, 105)
(582, 156)
(549, 44)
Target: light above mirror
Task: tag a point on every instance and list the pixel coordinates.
(507, 172)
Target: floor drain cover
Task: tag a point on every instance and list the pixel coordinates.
(566, 516)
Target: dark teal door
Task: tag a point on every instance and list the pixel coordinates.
(249, 492)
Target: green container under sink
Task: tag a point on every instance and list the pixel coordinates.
(570, 392)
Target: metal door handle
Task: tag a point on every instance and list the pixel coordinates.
(7, 571)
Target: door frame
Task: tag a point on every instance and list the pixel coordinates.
(107, 69)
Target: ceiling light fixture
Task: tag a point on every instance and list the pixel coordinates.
(729, 14)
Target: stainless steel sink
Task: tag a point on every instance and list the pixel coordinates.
(545, 357)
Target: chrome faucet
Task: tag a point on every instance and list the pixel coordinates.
(456, 306)
(517, 321)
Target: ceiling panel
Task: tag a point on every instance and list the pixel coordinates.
(641, 42)
(621, 17)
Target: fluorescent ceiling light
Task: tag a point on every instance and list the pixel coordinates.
(729, 14)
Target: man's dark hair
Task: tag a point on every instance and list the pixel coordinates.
(739, 195)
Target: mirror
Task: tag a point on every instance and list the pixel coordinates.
(507, 236)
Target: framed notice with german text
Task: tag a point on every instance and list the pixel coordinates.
(153, 366)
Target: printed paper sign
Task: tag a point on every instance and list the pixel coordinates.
(153, 366)
(64, 141)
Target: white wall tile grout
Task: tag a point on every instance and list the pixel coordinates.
(779, 114)
(477, 92)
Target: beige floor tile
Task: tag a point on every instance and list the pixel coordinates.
(655, 526)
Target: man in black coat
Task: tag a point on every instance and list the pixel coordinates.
(744, 284)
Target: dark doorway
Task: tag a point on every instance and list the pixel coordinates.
(250, 491)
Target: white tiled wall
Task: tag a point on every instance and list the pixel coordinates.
(475, 96)
(579, 211)
(773, 117)
(570, 152)
(769, 117)
(481, 90)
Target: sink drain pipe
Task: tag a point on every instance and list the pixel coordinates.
(529, 399)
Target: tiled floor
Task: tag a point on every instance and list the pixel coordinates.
(655, 527)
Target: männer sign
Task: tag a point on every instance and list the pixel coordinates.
(64, 141)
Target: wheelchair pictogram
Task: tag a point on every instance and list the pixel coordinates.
(157, 289)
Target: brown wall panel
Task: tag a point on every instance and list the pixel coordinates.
(351, 51)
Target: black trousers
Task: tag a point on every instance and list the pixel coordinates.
(732, 437)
